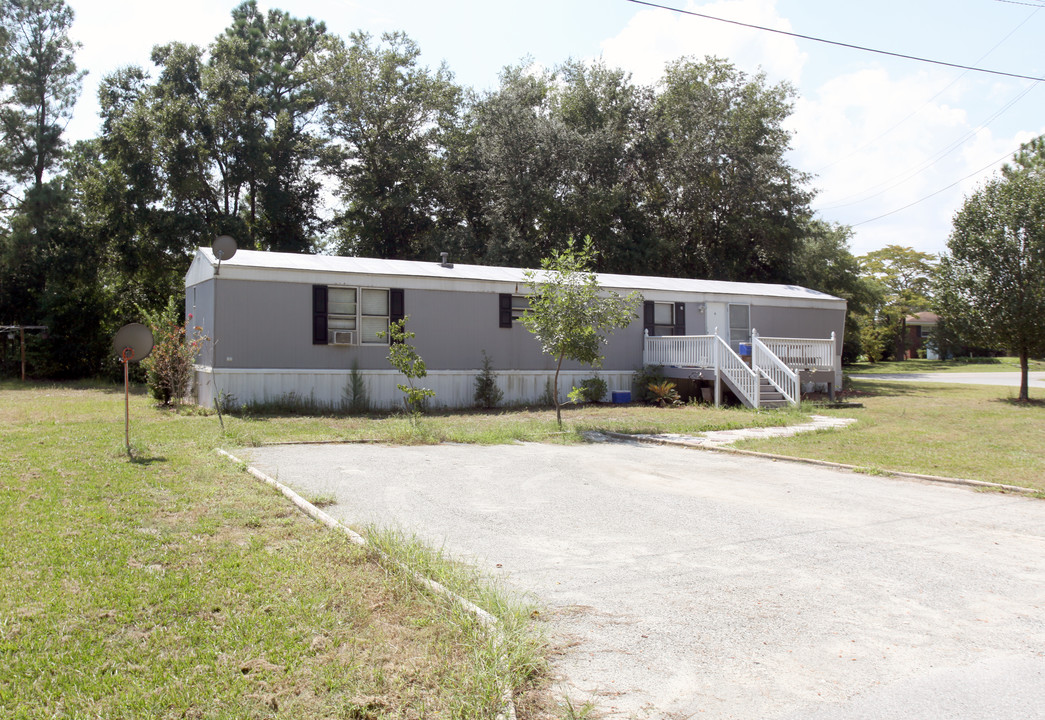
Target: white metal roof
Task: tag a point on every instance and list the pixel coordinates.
(248, 264)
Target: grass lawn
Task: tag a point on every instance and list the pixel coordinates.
(964, 431)
(1000, 364)
(496, 426)
(177, 586)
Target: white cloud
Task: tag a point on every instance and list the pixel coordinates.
(879, 138)
(117, 34)
(655, 37)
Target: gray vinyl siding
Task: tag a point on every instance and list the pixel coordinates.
(797, 322)
(266, 324)
(269, 325)
(199, 303)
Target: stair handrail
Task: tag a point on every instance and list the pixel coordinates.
(766, 364)
(744, 379)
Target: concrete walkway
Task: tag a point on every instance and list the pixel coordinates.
(1006, 379)
(720, 438)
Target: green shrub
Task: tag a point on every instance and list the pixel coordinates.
(355, 398)
(648, 375)
(593, 389)
(168, 367)
(664, 393)
(487, 394)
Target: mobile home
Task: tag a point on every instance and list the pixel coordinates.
(282, 325)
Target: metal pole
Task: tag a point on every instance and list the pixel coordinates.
(127, 354)
(21, 332)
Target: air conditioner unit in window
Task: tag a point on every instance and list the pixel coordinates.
(342, 337)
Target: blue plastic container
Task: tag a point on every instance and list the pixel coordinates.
(622, 396)
(745, 348)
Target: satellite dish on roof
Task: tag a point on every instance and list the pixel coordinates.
(132, 342)
(224, 247)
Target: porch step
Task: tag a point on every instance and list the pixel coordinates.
(769, 396)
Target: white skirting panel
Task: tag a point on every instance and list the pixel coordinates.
(328, 388)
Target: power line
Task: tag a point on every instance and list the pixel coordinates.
(938, 94)
(836, 43)
(911, 173)
(1017, 2)
(932, 195)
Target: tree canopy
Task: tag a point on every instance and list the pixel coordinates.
(290, 138)
(990, 287)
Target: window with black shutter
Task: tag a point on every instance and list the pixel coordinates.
(343, 315)
(663, 318)
(680, 319)
(510, 308)
(319, 314)
(505, 309)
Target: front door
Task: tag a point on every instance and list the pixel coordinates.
(739, 325)
(717, 322)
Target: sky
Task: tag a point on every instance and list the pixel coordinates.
(893, 145)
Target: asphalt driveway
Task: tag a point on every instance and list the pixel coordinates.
(683, 583)
(1035, 379)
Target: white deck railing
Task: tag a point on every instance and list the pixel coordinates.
(679, 351)
(803, 354)
(773, 369)
(776, 359)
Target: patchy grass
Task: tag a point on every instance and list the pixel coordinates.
(172, 585)
(964, 431)
(999, 364)
(496, 427)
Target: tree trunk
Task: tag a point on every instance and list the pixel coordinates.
(558, 409)
(1024, 390)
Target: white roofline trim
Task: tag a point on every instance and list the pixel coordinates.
(318, 269)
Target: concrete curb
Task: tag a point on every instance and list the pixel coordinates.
(653, 440)
(508, 702)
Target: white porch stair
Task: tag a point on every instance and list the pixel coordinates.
(769, 380)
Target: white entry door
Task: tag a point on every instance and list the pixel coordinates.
(717, 320)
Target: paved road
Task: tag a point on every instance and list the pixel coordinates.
(1007, 379)
(686, 583)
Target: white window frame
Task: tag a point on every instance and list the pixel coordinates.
(520, 306)
(357, 318)
(658, 327)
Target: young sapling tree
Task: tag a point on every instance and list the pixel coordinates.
(570, 314)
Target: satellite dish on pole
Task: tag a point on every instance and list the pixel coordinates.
(224, 248)
(132, 343)
(133, 337)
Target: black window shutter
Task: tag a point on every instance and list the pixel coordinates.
(505, 304)
(319, 314)
(680, 319)
(647, 317)
(396, 305)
